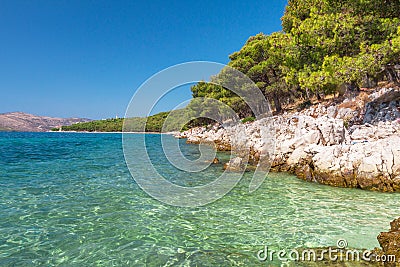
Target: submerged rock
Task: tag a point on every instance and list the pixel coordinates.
(235, 165)
(390, 241)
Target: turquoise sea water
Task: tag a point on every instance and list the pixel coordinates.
(67, 199)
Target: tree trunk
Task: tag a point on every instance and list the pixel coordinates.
(277, 102)
(349, 89)
(369, 81)
(392, 74)
(319, 98)
(308, 93)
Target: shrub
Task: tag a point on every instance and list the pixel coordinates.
(248, 119)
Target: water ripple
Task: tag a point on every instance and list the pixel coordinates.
(69, 200)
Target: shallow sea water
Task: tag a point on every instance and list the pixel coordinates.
(68, 199)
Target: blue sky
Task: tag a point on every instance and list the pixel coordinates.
(87, 58)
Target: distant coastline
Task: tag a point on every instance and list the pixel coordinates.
(169, 133)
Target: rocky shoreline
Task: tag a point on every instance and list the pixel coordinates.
(354, 143)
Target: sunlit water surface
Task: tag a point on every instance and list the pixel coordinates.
(68, 199)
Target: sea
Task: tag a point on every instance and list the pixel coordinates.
(69, 199)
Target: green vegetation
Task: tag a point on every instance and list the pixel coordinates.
(109, 125)
(326, 47)
(248, 119)
(155, 123)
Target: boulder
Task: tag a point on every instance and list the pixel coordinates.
(372, 165)
(390, 241)
(235, 165)
(384, 108)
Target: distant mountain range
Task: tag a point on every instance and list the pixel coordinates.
(23, 122)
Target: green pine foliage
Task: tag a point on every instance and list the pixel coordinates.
(108, 125)
(156, 123)
(325, 45)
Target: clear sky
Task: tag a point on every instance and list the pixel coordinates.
(87, 58)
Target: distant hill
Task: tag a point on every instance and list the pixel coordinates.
(23, 122)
